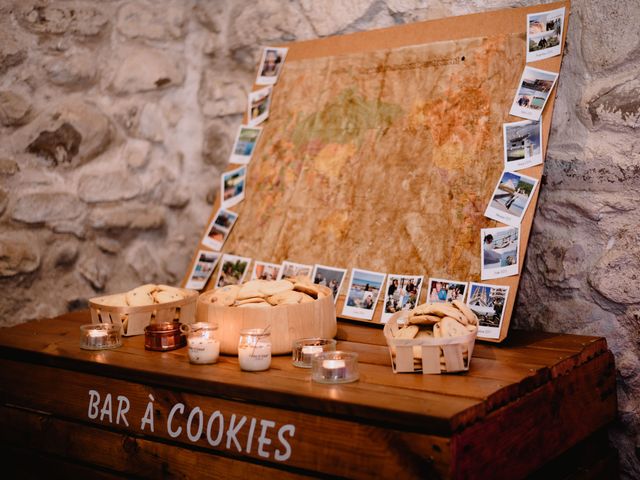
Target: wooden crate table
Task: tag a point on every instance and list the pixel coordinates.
(133, 413)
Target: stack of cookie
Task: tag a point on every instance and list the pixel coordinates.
(265, 293)
(143, 295)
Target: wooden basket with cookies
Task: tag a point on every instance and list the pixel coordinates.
(137, 308)
(432, 338)
(292, 309)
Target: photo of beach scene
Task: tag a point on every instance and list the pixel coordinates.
(245, 144)
(219, 229)
(544, 34)
(363, 293)
(488, 302)
(233, 186)
(533, 92)
(202, 270)
(500, 252)
(511, 198)
(258, 107)
(522, 144)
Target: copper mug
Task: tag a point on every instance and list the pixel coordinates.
(162, 337)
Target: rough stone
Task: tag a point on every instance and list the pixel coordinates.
(222, 94)
(142, 69)
(617, 107)
(139, 216)
(4, 200)
(61, 17)
(108, 245)
(41, 207)
(72, 132)
(8, 167)
(14, 108)
(136, 152)
(331, 16)
(95, 270)
(151, 21)
(108, 187)
(144, 264)
(217, 145)
(210, 15)
(12, 52)
(617, 274)
(176, 197)
(64, 253)
(19, 253)
(152, 124)
(76, 68)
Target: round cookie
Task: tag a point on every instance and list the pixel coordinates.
(466, 311)
(275, 287)
(117, 300)
(226, 295)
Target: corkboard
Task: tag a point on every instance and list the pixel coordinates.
(382, 150)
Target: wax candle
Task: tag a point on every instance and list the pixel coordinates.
(305, 349)
(203, 350)
(99, 336)
(254, 350)
(335, 367)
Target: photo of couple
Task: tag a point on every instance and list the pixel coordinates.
(402, 293)
(441, 291)
(364, 291)
(329, 277)
(544, 34)
(531, 97)
(271, 65)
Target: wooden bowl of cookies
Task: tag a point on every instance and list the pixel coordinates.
(292, 309)
(432, 338)
(146, 304)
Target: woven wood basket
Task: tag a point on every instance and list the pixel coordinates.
(287, 322)
(134, 319)
(439, 355)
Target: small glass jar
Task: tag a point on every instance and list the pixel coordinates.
(100, 336)
(162, 337)
(254, 349)
(202, 344)
(306, 348)
(335, 367)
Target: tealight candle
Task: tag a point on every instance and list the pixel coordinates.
(100, 336)
(306, 348)
(335, 367)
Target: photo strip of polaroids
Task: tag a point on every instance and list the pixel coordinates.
(219, 229)
(202, 270)
(522, 144)
(511, 198)
(232, 270)
(533, 91)
(488, 302)
(544, 34)
(442, 290)
(258, 107)
(401, 293)
(500, 254)
(290, 270)
(363, 293)
(271, 65)
(233, 186)
(245, 144)
(330, 277)
(265, 271)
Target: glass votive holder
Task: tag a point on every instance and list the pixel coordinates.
(306, 348)
(335, 367)
(203, 346)
(100, 336)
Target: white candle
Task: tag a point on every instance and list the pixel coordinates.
(255, 357)
(311, 349)
(334, 369)
(203, 350)
(97, 333)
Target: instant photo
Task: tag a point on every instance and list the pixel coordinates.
(500, 252)
(533, 91)
(245, 144)
(363, 293)
(522, 144)
(271, 65)
(202, 270)
(233, 186)
(219, 229)
(290, 270)
(258, 108)
(441, 290)
(488, 303)
(265, 271)
(401, 293)
(232, 270)
(330, 277)
(544, 34)
(511, 198)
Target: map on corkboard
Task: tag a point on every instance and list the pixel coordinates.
(382, 150)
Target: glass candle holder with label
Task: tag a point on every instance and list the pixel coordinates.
(335, 367)
(254, 349)
(202, 344)
(100, 336)
(306, 348)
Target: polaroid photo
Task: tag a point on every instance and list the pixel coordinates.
(265, 271)
(488, 303)
(258, 108)
(289, 270)
(544, 34)
(522, 144)
(401, 293)
(233, 186)
(442, 290)
(232, 270)
(245, 144)
(533, 91)
(500, 252)
(511, 198)
(219, 229)
(202, 270)
(271, 65)
(330, 277)
(363, 293)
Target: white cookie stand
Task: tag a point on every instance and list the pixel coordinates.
(452, 348)
(134, 319)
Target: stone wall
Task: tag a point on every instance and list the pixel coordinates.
(117, 116)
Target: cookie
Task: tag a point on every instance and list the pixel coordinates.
(288, 297)
(274, 288)
(165, 296)
(117, 300)
(255, 305)
(450, 327)
(466, 311)
(407, 332)
(247, 301)
(423, 319)
(305, 298)
(139, 297)
(251, 289)
(225, 296)
(308, 288)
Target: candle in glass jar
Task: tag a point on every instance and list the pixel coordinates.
(334, 369)
(255, 357)
(308, 351)
(203, 350)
